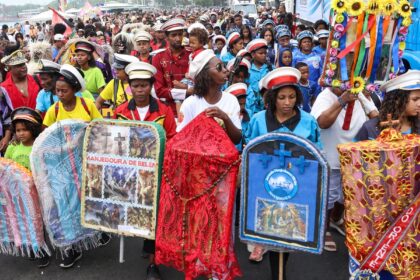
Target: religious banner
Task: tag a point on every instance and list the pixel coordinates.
(56, 163)
(381, 184)
(21, 226)
(283, 193)
(121, 176)
(197, 199)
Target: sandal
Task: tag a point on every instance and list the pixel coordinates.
(330, 245)
(257, 254)
(338, 226)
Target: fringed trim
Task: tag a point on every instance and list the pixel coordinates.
(9, 248)
(88, 243)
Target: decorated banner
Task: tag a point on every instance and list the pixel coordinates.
(21, 226)
(122, 163)
(197, 198)
(283, 193)
(381, 184)
(56, 163)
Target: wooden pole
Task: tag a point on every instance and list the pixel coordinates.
(281, 266)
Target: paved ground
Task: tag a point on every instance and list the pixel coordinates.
(102, 263)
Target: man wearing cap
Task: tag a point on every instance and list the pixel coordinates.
(159, 38)
(305, 54)
(21, 87)
(323, 40)
(59, 42)
(142, 52)
(48, 72)
(117, 90)
(171, 64)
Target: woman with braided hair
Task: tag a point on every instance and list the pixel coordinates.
(402, 102)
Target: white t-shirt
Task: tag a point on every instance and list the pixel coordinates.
(335, 134)
(193, 106)
(142, 112)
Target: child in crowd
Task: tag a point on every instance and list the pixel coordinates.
(219, 43)
(308, 88)
(285, 57)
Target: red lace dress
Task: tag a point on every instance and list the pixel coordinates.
(194, 232)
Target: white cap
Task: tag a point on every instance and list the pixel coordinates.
(256, 44)
(204, 18)
(243, 52)
(142, 36)
(157, 27)
(279, 77)
(199, 62)
(244, 62)
(71, 74)
(323, 33)
(59, 37)
(173, 25)
(140, 70)
(233, 37)
(122, 60)
(238, 89)
(408, 81)
(47, 66)
(219, 37)
(197, 25)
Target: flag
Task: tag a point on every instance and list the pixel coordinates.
(58, 18)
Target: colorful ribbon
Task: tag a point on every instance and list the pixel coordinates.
(395, 48)
(378, 50)
(343, 64)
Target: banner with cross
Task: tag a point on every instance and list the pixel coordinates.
(283, 193)
(122, 163)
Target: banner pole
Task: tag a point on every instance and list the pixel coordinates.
(281, 266)
(121, 249)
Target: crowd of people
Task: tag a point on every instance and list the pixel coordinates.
(255, 76)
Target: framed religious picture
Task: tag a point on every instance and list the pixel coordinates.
(283, 193)
(121, 176)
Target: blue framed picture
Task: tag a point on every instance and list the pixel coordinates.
(283, 193)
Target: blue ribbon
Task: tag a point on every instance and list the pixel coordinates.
(378, 50)
(343, 64)
(395, 47)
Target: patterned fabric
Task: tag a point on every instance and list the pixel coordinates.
(21, 227)
(194, 232)
(56, 162)
(6, 109)
(380, 179)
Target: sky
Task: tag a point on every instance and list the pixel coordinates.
(23, 2)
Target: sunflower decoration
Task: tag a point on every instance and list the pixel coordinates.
(358, 85)
(406, 21)
(388, 7)
(373, 7)
(339, 6)
(404, 9)
(355, 7)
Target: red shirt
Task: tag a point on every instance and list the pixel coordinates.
(158, 45)
(158, 112)
(169, 68)
(17, 98)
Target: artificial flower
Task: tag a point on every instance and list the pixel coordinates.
(406, 21)
(355, 7)
(358, 85)
(388, 7)
(336, 83)
(404, 8)
(401, 46)
(373, 7)
(339, 18)
(332, 66)
(334, 44)
(339, 6)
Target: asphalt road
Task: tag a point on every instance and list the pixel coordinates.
(102, 263)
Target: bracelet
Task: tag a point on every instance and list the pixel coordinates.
(341, 101)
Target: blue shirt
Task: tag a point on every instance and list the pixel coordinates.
(43, 100)
(55, 52)
(228, 56)
(313, 61)
(307, 128)
(254, 101)
(309, 91)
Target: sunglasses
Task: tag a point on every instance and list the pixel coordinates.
(219, 67)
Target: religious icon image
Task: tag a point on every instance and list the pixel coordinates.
(142, 143)
(120, 183)
(282, 219)
(140, 218)
(146, 187)
(94, 181)
(104, 214)
(281, 184)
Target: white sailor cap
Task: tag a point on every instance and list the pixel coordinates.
(199, 62)
(157, 27)
(140, 70)
(243, 52)
(238, 90)
(173, 25)
(256, 44)
(122, 60)
(408, 81)
(59, 37)
(234, 36)
(47, 66)
(196, 25)
(244, 62)
(323, 34)
(283, 76)
(219, 37)
(142, 36)
(73, 76)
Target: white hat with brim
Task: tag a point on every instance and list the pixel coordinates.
(238, 89)
(256, 44)
(283, 76)
(233, 38)
(174, 25)
(73, 76)
(199, 62)
(244, 62)
(408, 82)
(140, 70)
(196, 25)
(47, 66)
(142, 36)
(122, 60)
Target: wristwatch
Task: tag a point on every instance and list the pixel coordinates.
(341, 101)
